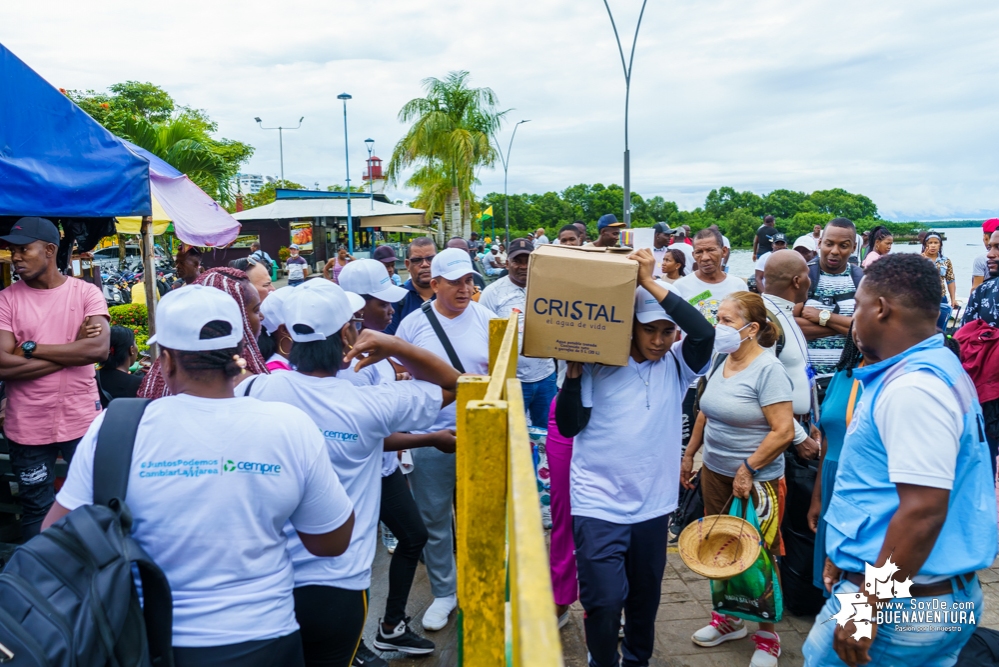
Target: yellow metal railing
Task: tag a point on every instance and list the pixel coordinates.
(499, 522)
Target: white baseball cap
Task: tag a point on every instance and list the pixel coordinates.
(805, 241)
(356, 300)
(324, 310)
(182, 313)
(272, 308)
(647, 308)
(451, 264)
(368, 276)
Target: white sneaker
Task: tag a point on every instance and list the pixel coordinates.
(437, 614)
(767, 649)
(721, 629)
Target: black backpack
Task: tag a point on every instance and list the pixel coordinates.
(68, 598)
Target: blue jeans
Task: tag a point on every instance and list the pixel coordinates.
(538, 397)
(945, 311)
(900, 645)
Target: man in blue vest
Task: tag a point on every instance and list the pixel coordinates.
(913, 486)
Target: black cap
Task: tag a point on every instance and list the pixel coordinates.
(779, 238)
(663, 228)
(28, 230)
(384, 253)
(519, 247)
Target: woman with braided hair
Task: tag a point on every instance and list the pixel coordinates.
(236, 284)
(218, 487)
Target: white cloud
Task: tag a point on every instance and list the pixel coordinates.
(895, 100)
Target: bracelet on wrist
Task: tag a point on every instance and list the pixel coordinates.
(752, 471)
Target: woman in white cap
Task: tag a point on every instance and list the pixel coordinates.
(274, 341)
(626, 421)
(202, 505)
(398, 508)
(331, 594)
(465, 325)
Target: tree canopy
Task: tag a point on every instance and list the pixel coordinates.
(148, 116)
(737, 214)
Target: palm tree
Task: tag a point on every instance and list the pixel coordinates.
(448, 140)
(182, 144)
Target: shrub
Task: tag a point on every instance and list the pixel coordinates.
(131, 315)
(284, 253)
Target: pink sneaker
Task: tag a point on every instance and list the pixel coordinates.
(767, 649)
(721, 629)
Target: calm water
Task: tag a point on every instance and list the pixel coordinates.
(962, 246)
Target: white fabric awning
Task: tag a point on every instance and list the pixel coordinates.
(361, 210)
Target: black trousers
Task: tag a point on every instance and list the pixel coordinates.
(285, 650)
(34, 468)
(332, 622)
(620, 566)
(400, 513)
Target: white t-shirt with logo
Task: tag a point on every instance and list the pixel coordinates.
(706, 296)
(503, 297)
(213, 482)
(354, 420)
(625, 460)
(469, 335)
(379, 373)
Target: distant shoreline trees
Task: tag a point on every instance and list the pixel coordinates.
(737, 214)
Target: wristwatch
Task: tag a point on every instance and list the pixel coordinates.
(28, 347)
(824, 318)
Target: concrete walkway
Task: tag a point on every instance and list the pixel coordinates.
(685, 607)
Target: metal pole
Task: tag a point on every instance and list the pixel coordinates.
(627, 95)
(346, 153)
(371, 181)
(281, 150)
(505, 159)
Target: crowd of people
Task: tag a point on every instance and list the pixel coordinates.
(335, 395)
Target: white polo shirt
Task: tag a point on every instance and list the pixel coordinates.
(213, 482)
(469, 335)
(794, 355)
(503, 298)
(626, 462)
(354, 420)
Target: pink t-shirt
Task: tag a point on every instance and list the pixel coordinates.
(59, 406)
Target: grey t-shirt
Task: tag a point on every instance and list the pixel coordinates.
(981, 266)
(734, 408)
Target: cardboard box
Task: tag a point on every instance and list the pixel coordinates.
(580, 304)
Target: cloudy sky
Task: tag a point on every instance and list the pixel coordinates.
(896, 100)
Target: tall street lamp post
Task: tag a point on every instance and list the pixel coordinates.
(505, 159)
(280, 130)
(370, 143)
(627, 94)
(346, 157)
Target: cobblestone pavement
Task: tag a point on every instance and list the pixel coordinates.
(685, 607)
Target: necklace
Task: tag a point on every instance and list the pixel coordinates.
(646, 381)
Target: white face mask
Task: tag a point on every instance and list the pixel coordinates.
(727, 339)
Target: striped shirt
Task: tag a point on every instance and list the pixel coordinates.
(824, 353)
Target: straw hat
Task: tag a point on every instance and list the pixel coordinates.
(720, 546)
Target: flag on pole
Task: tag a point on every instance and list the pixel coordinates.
(487, 214)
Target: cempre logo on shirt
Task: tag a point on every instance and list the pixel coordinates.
(252, 467)
(342, 436)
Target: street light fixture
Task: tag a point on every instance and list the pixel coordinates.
(346, 159)
(370, 143)
(505, 159)
(280, 130)
(627, 94)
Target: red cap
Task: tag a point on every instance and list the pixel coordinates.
(990, 225)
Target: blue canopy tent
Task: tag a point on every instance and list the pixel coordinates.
(55, 160)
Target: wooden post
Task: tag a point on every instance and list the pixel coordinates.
(149, 270)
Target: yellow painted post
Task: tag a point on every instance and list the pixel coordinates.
(470, 388)
(482, 599)
(497, 328)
